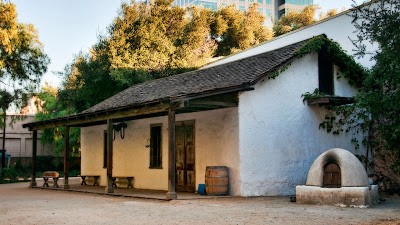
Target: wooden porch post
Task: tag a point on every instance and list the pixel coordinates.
(109, 187)
(34, 148)
(171, 194)
(66, 157)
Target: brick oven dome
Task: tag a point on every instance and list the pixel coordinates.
(352, 171)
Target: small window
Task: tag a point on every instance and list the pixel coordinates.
(155, 146)
(105, 149)
(325, 74)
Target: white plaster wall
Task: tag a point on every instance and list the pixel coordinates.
(341, 85)
(338, 28)
(278, 134)
(216, 144)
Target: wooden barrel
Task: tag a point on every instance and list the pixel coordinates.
(217, 180)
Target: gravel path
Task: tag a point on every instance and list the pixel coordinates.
(22, 205)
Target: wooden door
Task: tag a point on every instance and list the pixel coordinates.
(332, 176)
(185, 156)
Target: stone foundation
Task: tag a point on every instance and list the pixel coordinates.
(347, 196)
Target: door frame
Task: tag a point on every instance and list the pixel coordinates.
(193, 124)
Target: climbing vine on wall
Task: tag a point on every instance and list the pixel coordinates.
(343, 118)
(349, 68)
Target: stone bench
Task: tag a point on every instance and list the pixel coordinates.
(128, 179)
(51, 174)
(95, 179)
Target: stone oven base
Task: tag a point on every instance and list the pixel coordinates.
(347, 196)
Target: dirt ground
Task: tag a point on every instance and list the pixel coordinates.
(22, 205)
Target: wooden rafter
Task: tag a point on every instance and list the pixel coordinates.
(330, 100)
(99, 118)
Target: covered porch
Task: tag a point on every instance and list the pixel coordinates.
(75, 186)
(112, 119)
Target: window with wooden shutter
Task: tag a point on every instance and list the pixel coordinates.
(325, 73)
(105, 149)
(155, 146)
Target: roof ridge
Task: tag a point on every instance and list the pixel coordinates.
(237, 73)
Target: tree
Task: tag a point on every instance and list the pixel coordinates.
(329, 13)
(375, 113)
(151, 42)
(22, 61)
(54, 106)
(294, 20)
(380, 94)
(237, 30)
(88, 79)
(143, 43)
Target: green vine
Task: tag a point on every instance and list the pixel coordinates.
(349, 68)
(276, 73)
(344, 118)
(316, 94)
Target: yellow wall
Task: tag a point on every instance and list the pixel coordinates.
(216, 144)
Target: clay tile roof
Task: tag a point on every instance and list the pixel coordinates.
(241, 73)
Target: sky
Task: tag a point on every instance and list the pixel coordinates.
(67, 27)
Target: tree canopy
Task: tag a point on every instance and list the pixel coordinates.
(22, 60)
(146, 42)
(380, 95)
(376, 110)
(237, 30)
(150, 41)
(294, 20)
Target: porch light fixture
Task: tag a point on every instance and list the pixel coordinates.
(120, 129)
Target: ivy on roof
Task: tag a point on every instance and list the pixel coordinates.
(349, 68)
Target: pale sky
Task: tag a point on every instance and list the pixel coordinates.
(67, 27)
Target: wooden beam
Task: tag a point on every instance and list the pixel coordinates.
(208, 103)
(34, 150)
(330, 100)
(81, 120)
(171, 194)
(66, 157)
(109, 187)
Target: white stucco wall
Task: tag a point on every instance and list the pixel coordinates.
(341, 85)
(339, 28)
(278, 134)
(216, 144)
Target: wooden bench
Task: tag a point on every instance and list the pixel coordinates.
(129, 179)
(51, 174)
(95, 179)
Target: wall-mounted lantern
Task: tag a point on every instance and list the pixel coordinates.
(120, 129)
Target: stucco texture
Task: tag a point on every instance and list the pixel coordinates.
(216, 144)
(278, 134)
(352, 171)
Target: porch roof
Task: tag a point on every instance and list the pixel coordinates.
(154, 97)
